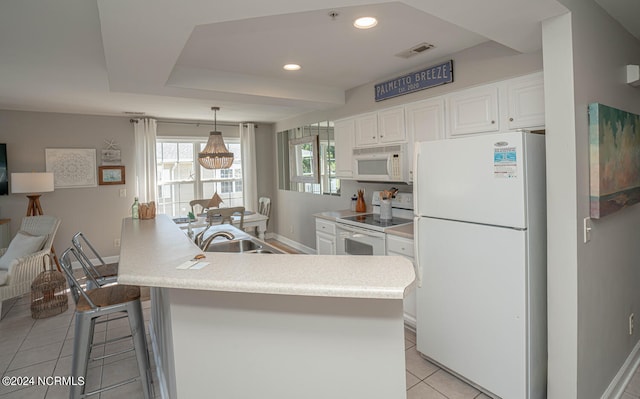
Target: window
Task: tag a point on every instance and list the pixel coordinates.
(181, 179)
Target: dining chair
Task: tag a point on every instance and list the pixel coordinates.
(203, 203)
(225, 215)
(264, 207)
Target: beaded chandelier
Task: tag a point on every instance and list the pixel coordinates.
(215, 154)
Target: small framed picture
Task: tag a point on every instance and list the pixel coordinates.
(110, 175)
(111, 157)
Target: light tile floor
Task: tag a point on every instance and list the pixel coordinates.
(44, 347)
(32, 348)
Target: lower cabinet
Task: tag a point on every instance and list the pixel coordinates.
(404, 247)
(325, 237)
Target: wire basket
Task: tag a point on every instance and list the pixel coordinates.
(48, 292)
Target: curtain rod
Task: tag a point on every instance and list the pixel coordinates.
(197, 123)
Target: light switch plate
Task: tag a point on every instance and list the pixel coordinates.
(587, 229)
(123, 192)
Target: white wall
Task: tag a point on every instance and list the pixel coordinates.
(97, 211)
(593, 287)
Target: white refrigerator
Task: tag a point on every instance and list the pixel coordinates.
(480, 242)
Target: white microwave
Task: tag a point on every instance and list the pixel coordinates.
(386, 163)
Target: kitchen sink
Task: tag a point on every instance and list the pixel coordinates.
(246, 245)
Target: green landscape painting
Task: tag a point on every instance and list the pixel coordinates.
(614, 141)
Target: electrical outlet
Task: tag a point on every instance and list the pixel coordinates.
(291, 229)
(631, 317)
(116, 242)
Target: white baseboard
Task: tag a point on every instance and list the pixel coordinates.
(293, 244)
(624, 375)
(410, 321)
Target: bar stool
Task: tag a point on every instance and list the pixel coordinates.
(103, 273)
(92, 304)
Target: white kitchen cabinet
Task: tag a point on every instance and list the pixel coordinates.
(473, 111)
(526, 102)
(404, 247)
(325, 237)
(391, 127)
(383, 127)
(344, 134)
(366, 129)
(425, 121)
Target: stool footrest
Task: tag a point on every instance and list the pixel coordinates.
(114, 354)
(116, 385)
(124, 316)
(112, 340)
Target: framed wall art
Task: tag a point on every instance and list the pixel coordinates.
(110, 175)
(111, 157)
(614, 157)
(72, 167)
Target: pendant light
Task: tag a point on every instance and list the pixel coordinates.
(215, 154)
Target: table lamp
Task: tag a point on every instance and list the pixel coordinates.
(33, 184)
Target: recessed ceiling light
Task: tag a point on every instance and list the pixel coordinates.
(365, 22)
(292, 67)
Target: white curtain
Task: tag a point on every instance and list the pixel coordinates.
(249, 170)
(145, 152)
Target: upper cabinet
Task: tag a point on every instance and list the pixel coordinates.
(425, 121)
(526, 102)
(391, 125)
(508, 105)
(366, 126)
(473, 111)
(386, 126)
(344, 133)
(499, 107)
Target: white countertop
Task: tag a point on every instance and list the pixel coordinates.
(405, 231)
(152, 249)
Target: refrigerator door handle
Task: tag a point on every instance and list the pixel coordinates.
(416, 180)
(416, 252)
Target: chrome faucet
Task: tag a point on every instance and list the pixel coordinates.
(205, 244)
(198, 239)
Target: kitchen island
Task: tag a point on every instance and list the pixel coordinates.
(271, 326)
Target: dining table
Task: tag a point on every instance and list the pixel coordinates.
(251, 220)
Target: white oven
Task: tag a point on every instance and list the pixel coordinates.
(353, 240)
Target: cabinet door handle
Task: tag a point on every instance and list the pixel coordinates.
(492, 122)
(510, 119)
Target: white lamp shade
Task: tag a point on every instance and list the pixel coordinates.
(31, 183)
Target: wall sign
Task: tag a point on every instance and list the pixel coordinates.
(434, 75)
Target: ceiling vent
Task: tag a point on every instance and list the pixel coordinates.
(415, 50)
